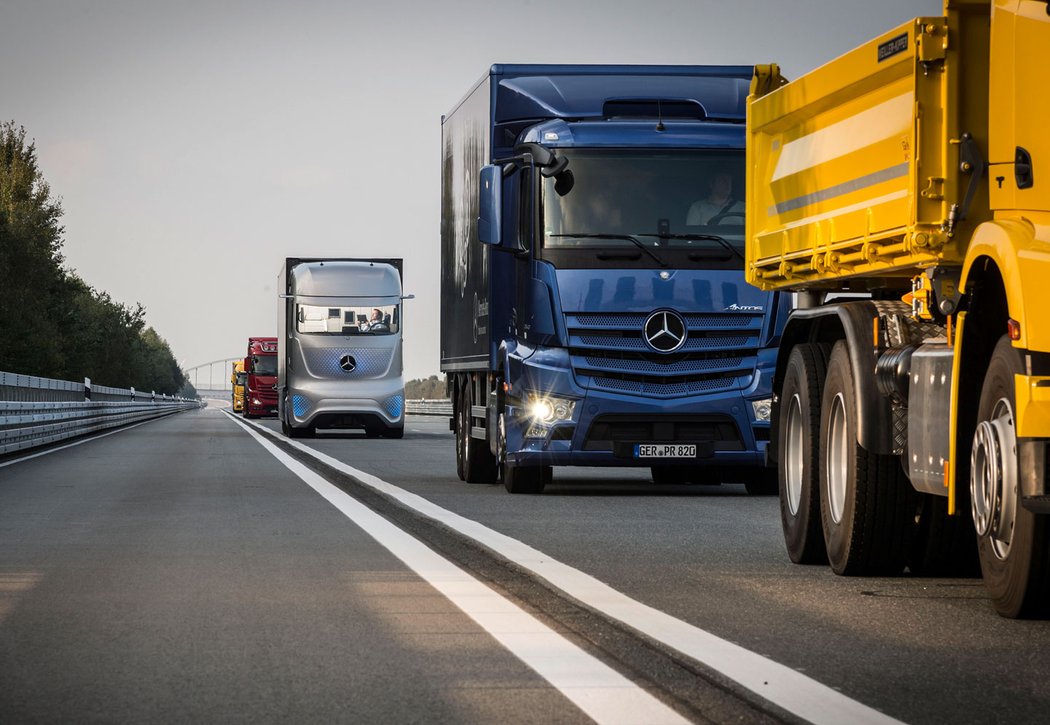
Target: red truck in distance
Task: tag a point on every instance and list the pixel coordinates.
(260, 389)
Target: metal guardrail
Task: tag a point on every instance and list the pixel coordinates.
(38, 411)
(429, 407)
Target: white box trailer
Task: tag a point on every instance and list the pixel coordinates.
(339, 346)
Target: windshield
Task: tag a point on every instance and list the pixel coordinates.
(240, 378)
(659, 200)
(264, 365)
(364, 320)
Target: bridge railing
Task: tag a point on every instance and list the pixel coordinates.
(429, 407)
(38, 411)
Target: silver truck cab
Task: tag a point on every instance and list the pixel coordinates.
(339, 361)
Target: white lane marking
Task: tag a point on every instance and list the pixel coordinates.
(76, 443)
(601, 692)
(875, 124)
(777, 683)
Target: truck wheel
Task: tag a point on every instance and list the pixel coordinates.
(526, 479)
(943, 545)
(762, 482)
(305, 432)
(457, 419)
(394, 432)
(798, 452)
(867, 505)
(479, 465)
(671, 475)
(1012, 542)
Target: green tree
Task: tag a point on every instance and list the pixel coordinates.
(52, 323)
(31, 277)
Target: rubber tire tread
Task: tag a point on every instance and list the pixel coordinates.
(878, 521)
(479, 465)
(526, 479)
(805, 545)
(1019, 586)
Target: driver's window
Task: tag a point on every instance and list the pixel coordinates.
(721, 202)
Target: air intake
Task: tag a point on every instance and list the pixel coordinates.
(653, 108)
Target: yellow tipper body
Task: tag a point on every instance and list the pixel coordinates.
(854, 169)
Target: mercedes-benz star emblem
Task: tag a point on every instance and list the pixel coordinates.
(347, 363)
(664, 331)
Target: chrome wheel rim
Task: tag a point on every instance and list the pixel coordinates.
(794, 466)
(994, 480)
(837, 459)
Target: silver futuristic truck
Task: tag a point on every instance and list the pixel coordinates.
(339, 346)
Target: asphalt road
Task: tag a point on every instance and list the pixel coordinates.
(177, 570)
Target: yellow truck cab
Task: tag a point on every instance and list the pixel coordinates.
(237, 377)
(903, 192)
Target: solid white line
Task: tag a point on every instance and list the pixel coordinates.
(779, 684)
(77, 443)
(603, 694)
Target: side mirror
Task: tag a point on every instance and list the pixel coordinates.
(490, 205)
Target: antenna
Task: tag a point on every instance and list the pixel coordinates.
(659, 117)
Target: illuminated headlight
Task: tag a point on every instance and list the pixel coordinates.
(545, 411)
(762, 409)
(549, 410)
(255, 401)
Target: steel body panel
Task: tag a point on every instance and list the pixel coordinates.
(1020, 250)
(853, 172)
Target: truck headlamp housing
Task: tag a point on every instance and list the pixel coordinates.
(762, 409)
(544, 411)
(547, 410)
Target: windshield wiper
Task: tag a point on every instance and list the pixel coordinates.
(626, 237)
(700, 238)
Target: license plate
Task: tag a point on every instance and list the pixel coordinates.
(665, 450)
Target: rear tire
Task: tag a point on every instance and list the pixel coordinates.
(394, 432)
(526, 479)
(479, 465)
(798, 451)
(1014, 547)
(867, 504)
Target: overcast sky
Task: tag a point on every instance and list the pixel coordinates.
(195, 145)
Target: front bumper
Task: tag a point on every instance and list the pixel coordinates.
(605, 424)
(381, 401)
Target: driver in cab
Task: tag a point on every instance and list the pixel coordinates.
(717, 205)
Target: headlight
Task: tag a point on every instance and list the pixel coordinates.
(547, 410)
(762, 409)
(544, 411)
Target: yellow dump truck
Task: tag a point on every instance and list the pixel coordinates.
(237, 377)
(903, 192)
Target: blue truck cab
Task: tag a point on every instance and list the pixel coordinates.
(593, 304)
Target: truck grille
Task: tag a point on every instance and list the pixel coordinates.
(609, 353)
(324, 362)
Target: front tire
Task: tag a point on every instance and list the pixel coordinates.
(798, 446)
(398, 432)
(1012, 542)
(867, 504)
(526, 479)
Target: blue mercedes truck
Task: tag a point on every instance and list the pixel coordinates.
(593, 304)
